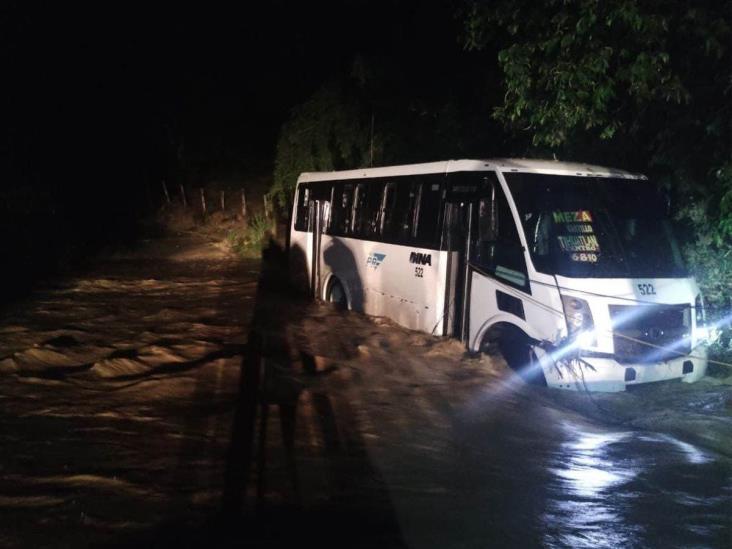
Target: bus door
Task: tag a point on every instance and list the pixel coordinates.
(496, 277)
(455, 241)
(466, 191)
(318, 215)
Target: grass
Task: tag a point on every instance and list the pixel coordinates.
(248, 241)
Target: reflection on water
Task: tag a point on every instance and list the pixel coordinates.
(607, 485)
(587, 469)
(692, 453)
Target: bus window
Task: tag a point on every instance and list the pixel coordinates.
(410, 191)
(359, 214)
(387, 211)
(341, 208)
(397, 211)
(366, 205)
(327, 226)
(428, 218)
(301, 215)
(497, 248)
(373, 209)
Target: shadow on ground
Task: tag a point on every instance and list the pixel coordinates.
(265, 500)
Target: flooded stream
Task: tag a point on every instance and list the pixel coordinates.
(172, 397)
(471, 457)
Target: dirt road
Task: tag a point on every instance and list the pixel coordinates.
(169, 399)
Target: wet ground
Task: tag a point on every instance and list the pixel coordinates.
(168, 398)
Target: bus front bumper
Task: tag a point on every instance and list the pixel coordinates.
(605, 374)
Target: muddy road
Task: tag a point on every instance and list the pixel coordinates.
(117, 395)
(168, 398)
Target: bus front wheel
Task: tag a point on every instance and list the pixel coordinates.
(517, 351)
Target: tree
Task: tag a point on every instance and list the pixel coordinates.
(384, 111)
(646, 85)
(329, 131)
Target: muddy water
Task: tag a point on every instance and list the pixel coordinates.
(433, 449)
(168, 399)
(117, 393)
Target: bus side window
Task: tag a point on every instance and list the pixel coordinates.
(497, 248)
(393, 224)
(359, 214)
(301, 212)
(387, 211)
(327, 223)
(341, 209)
(368, 216)
(409, 191)
(373, 209)
(428, 222)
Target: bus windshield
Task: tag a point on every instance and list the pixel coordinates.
(596, 226)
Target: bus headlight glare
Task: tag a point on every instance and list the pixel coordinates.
(707, 334)
(580, 323)
(586, 339)
(576, 320)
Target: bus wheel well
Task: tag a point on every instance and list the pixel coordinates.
(515, 346)
(499, 334)
(335, 293)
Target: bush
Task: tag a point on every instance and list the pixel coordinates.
(709, 256)
(329, 131)
(250, 240)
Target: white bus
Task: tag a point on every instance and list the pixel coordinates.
(571, 269)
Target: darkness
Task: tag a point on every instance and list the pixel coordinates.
(106, 101)
(99, 86)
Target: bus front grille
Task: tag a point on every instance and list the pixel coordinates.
(650, 333)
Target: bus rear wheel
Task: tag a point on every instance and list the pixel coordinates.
(337, 295)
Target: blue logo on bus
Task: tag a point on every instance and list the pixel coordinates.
(374, 260)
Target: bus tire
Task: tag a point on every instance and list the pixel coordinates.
(517, 351)
(337, 295)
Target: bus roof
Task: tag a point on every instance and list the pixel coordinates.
(524, 165)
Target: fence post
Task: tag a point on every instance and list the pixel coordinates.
(203, 202)
(243, 203)
(165, 191)
(223, 201)
(183, 196)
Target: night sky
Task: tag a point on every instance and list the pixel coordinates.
(102, 99)
(94, 85)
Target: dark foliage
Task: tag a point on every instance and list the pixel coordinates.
(646, 86)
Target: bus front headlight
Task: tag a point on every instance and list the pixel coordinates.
(580, 325)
